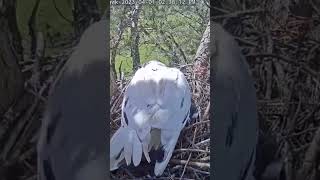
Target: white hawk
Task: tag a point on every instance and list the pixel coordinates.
(156, 106)
(72, 138)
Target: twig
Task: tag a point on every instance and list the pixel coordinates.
(198, 171)
(192, 163)
(203, 142)
(238, 13)
(195, 124)
(312, 154)
(60, 13)
(20, 127)
(287, 60)
(191, 150)
(185, 166)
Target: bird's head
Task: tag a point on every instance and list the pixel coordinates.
(153, 63)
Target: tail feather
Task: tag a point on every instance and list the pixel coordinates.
(145, 147)
(117, 143)
(137, 151)
(116, 163)
(128, 148)
(125, 146)
(133, 148)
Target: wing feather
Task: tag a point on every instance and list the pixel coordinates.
(137, 151)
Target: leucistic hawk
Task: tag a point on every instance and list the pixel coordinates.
(235, 117)
(155, 108)
(72, 138)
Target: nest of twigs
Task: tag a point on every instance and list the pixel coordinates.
(191, 157)
(283, 54)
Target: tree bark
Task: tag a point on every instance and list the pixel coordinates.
(85, 12)
(11, 82)
(201, 60)
(135, 37)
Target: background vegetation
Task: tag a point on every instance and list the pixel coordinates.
(169, 33)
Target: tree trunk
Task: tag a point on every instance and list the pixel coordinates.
(135, 37)
(201, 60)
(11, 83)
(85, 12)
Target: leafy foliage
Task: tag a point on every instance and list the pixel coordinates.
(170, 34)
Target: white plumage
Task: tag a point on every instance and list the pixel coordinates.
(72, 135)
(158, 97)
(235, 129)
